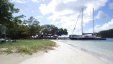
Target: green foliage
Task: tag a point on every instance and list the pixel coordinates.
(106, 33)
(62, 32)
(27, 46)
(8, 51)
(6, 11)
(17, 28)
(24, 50)
(53, 30)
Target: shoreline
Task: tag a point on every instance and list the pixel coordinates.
(64, 54)
(100, 56)
(104, 58)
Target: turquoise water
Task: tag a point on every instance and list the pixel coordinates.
(103, 49)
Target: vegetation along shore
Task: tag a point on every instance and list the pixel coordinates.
(27, 46)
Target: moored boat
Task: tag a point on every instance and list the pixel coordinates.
(84, 36)
(81, 37)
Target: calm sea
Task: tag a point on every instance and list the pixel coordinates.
(103, 49)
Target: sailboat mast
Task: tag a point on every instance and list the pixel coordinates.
(82, 22)
(93, 22)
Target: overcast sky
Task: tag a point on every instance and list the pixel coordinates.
(64, 13)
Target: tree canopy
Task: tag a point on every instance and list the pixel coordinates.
(16, 27)
(6, 11)
(106, 33)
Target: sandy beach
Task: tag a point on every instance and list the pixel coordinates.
(12, 58)
(16, 58)
(64, 54)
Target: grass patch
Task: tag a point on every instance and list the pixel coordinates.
(27, 46)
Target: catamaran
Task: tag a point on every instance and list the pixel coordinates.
(84, 36)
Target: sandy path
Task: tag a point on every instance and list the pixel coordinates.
(64, 54)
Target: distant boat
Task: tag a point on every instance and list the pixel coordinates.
(84, 36)
(81, 37)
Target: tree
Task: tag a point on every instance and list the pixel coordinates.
(62, 31)
(33, 25)
(6, 15)
(17, 19)
(18, 28)
(65, 32)
(32, 21)
(52, 30)
(6, 11)
(2, 31)
(45, 29)
(106, 33)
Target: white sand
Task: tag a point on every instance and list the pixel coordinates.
(12, 58)
(64, 54)
(16, 58)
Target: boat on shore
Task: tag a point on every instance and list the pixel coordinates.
(84, 36)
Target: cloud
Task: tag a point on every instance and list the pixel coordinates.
(105, 26)
(111, 5)
(65, 12)
(35, 1)
(101, 15)
(19, 1)
(49, 8)
(38, 18)
(27, 1)
(44, 9)
(70, 5)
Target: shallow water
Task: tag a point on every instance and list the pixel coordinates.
(103, 49)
